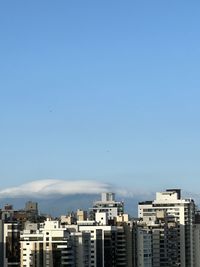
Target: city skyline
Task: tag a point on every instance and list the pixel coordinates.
(103, 92)
(164, 234)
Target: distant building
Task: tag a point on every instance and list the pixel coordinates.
(31, 206)
(81, 215)
(109, 205)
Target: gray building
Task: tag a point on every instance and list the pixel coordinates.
(109, 205)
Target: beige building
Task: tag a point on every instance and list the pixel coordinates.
(47, 245)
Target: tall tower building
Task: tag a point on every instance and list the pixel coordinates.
(181, 212)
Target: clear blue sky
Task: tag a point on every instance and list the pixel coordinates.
(103, 90)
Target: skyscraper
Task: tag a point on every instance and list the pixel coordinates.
(181, 212)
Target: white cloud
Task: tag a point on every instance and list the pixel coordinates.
(53, 187)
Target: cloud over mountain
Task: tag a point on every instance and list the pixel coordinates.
(51, 188)
(54, 187)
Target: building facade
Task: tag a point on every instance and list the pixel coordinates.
(181, 212)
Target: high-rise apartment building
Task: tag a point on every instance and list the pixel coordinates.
(143, 253)
(110, 245)
(10, 253)
(47, 245)
(177, 223)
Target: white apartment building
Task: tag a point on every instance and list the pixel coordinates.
(108, 244)
(52, 244)
(182, 210)
(48, 245)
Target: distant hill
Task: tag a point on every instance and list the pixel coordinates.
(58, 205)
(63, 205)
(57, 197)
